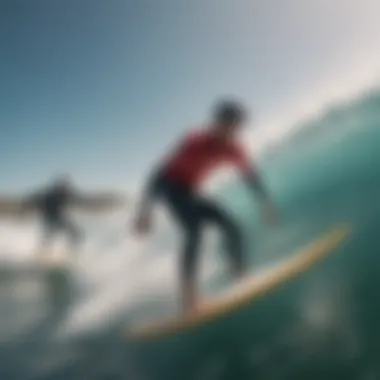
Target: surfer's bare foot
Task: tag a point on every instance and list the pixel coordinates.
(190, 304)
(190, 309)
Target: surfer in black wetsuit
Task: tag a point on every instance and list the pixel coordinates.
(177, 181)
(52, 204)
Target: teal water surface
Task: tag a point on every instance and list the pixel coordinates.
(322, 325)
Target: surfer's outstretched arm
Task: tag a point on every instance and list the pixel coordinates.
(256, 184)
(153, 184)
(31, 201)
(94, 201)
(250, 173)
(150, 192)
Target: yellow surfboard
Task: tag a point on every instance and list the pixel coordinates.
(245, 291)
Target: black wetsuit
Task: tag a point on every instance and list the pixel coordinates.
(193, 212)
(52, 206)
(175, 182)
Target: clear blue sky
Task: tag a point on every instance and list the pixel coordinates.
(99, 88)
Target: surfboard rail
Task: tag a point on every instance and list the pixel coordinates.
(246, 291)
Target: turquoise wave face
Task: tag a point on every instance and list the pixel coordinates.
(325, 174)
(324, 324)
(330, 158)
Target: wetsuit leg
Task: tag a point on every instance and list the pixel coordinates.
(189, 263)
(187, 213)
(192, 213)
(211, 212)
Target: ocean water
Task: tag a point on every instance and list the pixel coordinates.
(323, 324)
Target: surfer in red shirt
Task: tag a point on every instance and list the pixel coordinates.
(176, 182)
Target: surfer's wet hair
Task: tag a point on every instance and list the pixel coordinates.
(229, 112)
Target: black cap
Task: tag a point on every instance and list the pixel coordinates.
(229, 111)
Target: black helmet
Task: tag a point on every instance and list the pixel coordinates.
(229, 111)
